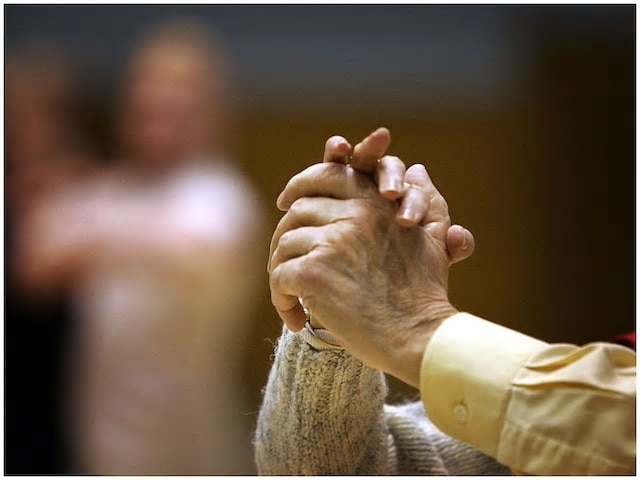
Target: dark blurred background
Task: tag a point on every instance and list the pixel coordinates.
(524, 116)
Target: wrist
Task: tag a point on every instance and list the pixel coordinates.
(438, 312)
(417, 340)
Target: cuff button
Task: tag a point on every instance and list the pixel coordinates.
(460, 413)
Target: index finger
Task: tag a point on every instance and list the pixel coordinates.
(331, 180)
(337, 149)
(368, 151)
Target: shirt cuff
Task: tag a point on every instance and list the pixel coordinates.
(466, 376)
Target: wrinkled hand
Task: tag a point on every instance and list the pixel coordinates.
(379, 287)
(369, 156)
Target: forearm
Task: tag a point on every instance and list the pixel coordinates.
(322, 413)
(52, 247)
(538, 408)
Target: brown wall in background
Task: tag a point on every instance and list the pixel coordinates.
(545, 179)
(546, 186)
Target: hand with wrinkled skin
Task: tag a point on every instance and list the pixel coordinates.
(388, 172)
(379, 287)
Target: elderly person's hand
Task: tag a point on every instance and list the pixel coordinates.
(388, 173)
(380, 288)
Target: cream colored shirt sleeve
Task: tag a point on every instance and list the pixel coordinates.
(537, 408)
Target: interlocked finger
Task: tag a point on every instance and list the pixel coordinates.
(331, 180)
(337, 150)
(390, 173)
(436, 210)
(296, 243)
(460, 243)
(285, 288)
(414, 207)
(308, 212)
(368, 151)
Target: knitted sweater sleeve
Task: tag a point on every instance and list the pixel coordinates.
(323, 412)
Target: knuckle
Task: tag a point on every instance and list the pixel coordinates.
(417, 174)
(333, 171)
(285, 240)
(275, 279)
(309, 274)
(330, 168)
(445, 204)
(297, 207)
(440, 202)
(304, 274)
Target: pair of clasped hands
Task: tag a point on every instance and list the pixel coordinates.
(367, 245)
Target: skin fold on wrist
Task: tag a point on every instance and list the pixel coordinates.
(409, 358)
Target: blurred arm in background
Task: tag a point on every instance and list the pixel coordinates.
(161, 254)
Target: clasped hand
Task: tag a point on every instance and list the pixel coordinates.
(367, 247)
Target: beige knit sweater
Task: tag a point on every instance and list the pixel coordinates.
(323, 412)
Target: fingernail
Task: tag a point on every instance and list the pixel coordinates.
(464, 240)
(408, 213)
(394, 185)
(391, 193)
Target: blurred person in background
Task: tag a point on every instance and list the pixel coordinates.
(45, 153)
(160, 254)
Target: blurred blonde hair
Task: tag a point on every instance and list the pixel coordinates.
(182, 49)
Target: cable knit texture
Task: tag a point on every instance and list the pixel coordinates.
(323, 412)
